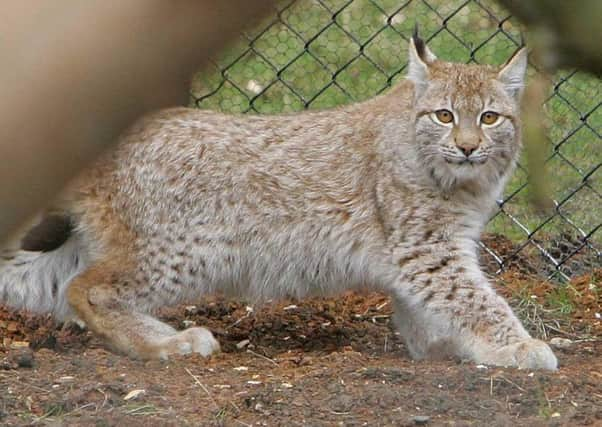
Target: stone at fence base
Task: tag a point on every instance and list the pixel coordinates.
(562, 343)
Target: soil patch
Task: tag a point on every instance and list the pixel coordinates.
(318, 362)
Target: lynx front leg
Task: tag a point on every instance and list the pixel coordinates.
(98, 296)
(446, 307)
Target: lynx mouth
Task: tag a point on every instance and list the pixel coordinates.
(466, 161)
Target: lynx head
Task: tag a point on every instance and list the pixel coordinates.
(467, 118)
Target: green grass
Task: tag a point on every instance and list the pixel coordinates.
(307, 60)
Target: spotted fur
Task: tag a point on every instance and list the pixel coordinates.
(375, 194)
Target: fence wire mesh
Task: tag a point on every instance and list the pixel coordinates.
(316, 54)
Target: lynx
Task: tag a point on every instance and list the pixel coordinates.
(391, 193)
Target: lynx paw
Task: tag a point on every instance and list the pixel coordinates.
(527, 354)
(192, 340)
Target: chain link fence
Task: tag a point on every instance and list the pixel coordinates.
(316, 54)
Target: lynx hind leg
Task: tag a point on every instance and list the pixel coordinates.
(98, 298)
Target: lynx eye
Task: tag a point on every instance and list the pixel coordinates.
(489, 117)
(444, 116)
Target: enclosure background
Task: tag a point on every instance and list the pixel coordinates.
(316, 54)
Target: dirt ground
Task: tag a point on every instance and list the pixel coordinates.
(318, 362)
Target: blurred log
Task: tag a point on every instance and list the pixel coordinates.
(562, 34)
(567, 31)
(76, 73)
(535, 140)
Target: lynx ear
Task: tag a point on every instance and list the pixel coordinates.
(419, 58)
(512, 73)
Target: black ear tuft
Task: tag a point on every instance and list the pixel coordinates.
(418, 42)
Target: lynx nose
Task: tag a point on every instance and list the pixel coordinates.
(467, 140)
(467, 149)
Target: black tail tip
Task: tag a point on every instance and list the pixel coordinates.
(51, 233)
